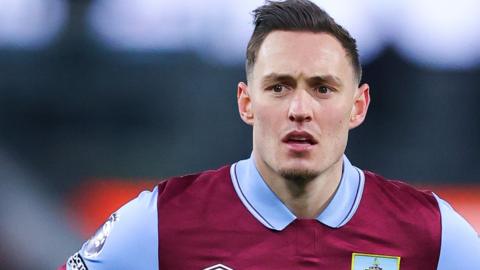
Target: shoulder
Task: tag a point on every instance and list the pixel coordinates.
(127, 240)
(460, 243)
(205, 181)
(399, 192)
(410, 210)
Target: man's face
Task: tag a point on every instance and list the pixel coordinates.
(302, 98)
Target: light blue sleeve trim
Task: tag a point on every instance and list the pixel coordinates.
(132, 242)
(460, 246)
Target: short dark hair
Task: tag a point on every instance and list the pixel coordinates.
(297, 15)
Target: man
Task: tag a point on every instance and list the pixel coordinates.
(297, 202)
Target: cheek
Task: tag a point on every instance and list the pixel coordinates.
(261, 128)
(328, 111)
(335, 119)
(268, 127)
(267, 119)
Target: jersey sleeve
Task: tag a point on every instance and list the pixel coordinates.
(460, 244)
(127, 240)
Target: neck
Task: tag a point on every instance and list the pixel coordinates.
(306, 198)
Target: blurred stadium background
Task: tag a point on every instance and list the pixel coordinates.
(101, 98)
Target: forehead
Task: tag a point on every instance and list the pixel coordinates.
(300, 54)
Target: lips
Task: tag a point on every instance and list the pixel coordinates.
(300, 138)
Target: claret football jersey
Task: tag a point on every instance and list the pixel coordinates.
(230, 219)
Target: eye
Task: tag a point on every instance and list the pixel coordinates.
(323, 90)
(278, 88)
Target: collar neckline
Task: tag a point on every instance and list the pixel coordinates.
(268, 209)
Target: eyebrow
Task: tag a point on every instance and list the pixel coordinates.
(329, 79)
(275, 77)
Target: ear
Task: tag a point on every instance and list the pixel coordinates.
(360, 105)
(244, 103)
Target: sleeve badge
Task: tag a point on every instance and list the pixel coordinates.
(94, 245)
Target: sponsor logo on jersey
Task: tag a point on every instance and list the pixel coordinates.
(363, 261)
(218, 267)
(94, 245)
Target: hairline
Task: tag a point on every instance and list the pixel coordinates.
(249, 67)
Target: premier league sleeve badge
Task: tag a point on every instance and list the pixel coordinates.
(94, 245)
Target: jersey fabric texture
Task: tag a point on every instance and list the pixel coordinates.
(230, 219)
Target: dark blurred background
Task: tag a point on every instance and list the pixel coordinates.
(147, 89)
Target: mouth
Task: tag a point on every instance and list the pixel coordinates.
(299, 140)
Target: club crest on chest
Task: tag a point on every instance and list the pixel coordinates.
(363, 261)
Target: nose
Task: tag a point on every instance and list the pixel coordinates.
(300, 109)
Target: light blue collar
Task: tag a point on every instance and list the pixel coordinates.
(267, 208)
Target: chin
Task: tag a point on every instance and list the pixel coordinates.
(299, 174)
